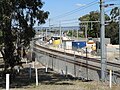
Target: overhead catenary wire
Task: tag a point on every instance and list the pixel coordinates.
(78, 17)
(75, 19)
(66, 20)
(69, 23)
(111, 0)
(76, 10)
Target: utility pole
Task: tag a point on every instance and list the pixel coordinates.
(77, 34)
(102, 40)
(119, 31)
(86, 27)
(60, 34)
(49, 28)
(86, 33)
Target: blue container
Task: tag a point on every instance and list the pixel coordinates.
(78, 44)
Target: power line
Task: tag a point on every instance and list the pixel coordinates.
(111, 0)
(69, 23)
(81, 8)
(76, 10)
(66, 20)
(70, 19)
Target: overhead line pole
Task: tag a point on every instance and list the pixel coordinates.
(102, 40)
(49, 29)
(119, 31)
(60, 34)
(86, 32)
(93, 21)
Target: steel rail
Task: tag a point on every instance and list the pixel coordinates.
(79, 63)
(80, 57)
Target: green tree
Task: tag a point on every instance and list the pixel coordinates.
(113, 30)
(17, 18)
(114, 13)
(93, 29)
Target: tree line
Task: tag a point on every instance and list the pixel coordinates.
(93, 28)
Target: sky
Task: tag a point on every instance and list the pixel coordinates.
(67, 12)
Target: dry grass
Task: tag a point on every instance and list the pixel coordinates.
(54, 81)
(76, 85)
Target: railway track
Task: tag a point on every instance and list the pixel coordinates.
(80, 57)
(84, 63)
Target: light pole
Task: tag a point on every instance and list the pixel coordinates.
(102, 37)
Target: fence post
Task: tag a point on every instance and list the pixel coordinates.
(33, 63)
(74, 65)
(30, 71)
(46, 67)
(7, 81)
(110, 81)
(36, 76)
(25, 60)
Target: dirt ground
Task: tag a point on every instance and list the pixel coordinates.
(52, 81)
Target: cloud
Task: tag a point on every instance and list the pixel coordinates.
(80, 5)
